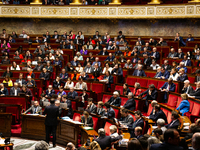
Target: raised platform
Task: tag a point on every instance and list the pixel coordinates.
(101, 12)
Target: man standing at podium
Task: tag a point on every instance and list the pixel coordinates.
(52, 113)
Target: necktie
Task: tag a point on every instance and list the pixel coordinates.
(35, 110)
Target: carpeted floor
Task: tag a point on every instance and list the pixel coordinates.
(25, 144)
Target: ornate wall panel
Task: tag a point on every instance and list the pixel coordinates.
(102, 12)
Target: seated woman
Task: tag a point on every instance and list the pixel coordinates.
(49, 67)
(4, 44)
(86, 119)
(113, 131)
(100, 109)
(7, 73)
(14, 66)
(109, 79)
(126, 90)
(69, 84)
(51, 57)
(79, 68)
(184, 106)
(8, 80)
(83, 51)
(18, 56)
(98, 46)
(84, 97)
(88, 45)
(79, 56)
(137, 90)
(107, 68)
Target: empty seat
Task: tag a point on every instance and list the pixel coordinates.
(77, 117)
(172, 100)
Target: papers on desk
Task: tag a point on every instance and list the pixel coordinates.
(72, 121)
(103, 80)
(186, 124)
(123, 142)
(147, 117)
(88, 128)
(33, 114)
(2, 141)
(186, 128)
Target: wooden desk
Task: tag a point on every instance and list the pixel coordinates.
(33, 127)
(5, 124)
(7, 145)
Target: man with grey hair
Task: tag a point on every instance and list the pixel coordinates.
(196, 141)
(166, 65)
(196, 93)
(57, 103)
(139, 72)
(70, 146)
(158, 72)
(115, 99)
(72, 94)
(168, 87)
(172, 54)
(3, 90)
(161, 124)
(128, 119)
(15, 90)
(103, 140)
(130, 103)
(41, 145)
(187, 88)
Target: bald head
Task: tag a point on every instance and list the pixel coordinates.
(196, 140)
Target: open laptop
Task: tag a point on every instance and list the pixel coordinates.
(63, 105)
(46, 104)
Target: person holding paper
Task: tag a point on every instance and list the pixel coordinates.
(34, 109)
(86, 119)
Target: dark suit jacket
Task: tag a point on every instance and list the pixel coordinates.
(110, 59)
(141, 74)
(148, 61)
(36, 41)
(142, 42)
(46, 75)
(74, 63)
(33, 84)
(101, 112)
(137, 123)
(190, 90)
(4, 74)
(119, 73)
(110, 80)
(51, 93)
(196, 93)
(38, 68)
(180, 55)
(157, 55)
(101, 53)
(5, 91)
(59, 63)
(153, 95)
(158, 115)
(12, 91)
(130, 104)
(69, 106)
(65, 76)
(99, 70)
(110, 113)
(23, 81)
(171, 88)
(47, 40)
(175, 125)
(104, 141)
(182, 78)
(92, 108)
(52, 113)
(54, 36)
(89, 121)
(164, 146)
(94, 36)
(115, 102)
(56, 84)
(72, 95)
(189, 63)
(167, 68)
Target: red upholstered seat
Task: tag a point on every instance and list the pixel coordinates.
(194, 113)
(136, 104)
(98, 88)
(133, 116)
(165, 111)
(106, 98)
(74, 105)
(191, 105)
(169, 117)
(178, 102)
(149, 110)
(95, 123)
(143, 82)
(145, 128)
(131, 80)
(119, 88)
(191, 79)
(77, 117)
(172, 100)
(154, 82)
(150, 74)
(160, 83)
(116, 113)
(107, 128)
(123, 100)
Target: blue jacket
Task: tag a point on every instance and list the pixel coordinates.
(5, 91)
(183, 107)
(141, 74)
(185, 68)
(182, 78)
(119, 73)
(189, 63)
(157, 55)
(110, 59)
(165, 146)
(65, 76)
(59, 63)
(51, 93)
(165, 74)
(189, 39)
(72, 95)
(74, 63)
(136, 61)
(110, 80)
(110, 113)
(115, 102)
(171, 88)
(153, 95)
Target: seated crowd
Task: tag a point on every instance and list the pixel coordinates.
(73, 75)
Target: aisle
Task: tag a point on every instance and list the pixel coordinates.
(25, 144)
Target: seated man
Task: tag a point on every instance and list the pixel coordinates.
(138, 123)
(44, 75)
(138, 132)
(75, 62)
(139, 72)
(186, 61)
(158, 114)
(182, 75)
(175, 123)
(34, 109)
(161, 124)
(103, 140)
(63, 74)
(155, 55)
(38, 67)
(168, 87)
(69, 105)
(196, 92)
(30, 73)
(166, 65)
(15, 90)
(86, 119)
(91, 107)
(72, 94)
(50, 91)
(30, 82)
(57, 62)
(172, 54)
(57, 103)
(61, 91)
(130, 103)
(110, 57)
(80, 85)
(109, 111)
(181, 66)
(171, 141)
(83, 75)
(96, 61)
(21, 81)
(128, 119)
(100, 109)
(164, 74)
(27, 92)
(187, 88)
(151, 94)
(115, 99)
(57, 82)
(3, 90)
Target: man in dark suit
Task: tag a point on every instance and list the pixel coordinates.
(180, 54)
(166, 65)
(96, 69)
(128, 119)
(44, 75)
(172, 53)
(164, 74)
(147, 47)
(186, 61)
(34, 109)
(196, 141)
(182, 75)
(110, 57)
(71, 45)
(55, 36)
(158, 114)
(175, 123)
(91, 107)
(96, 36)
(57, 62)
(69, 105)
(115, 100)
(103, 52)
(103, 140)
(45, 39)
(21, 81)
(14, 91)
(63, 74)
(86, 119)
(38, 67)
(168, 86)
(52, 113)
(139, 72)
(120, 35)
(30, 82)
(171, 141)
(75, 62)
(155, 55)
(141, 42)
(36, 40)
(50, 91)
(57, 82)
(138, 123)
(72, 94)
(3, 90)
(109, 111)
(196, 92)
(147, 60)
(138, 132)
(109, 79)
(187, 88)
(180, 39)
(130, 103)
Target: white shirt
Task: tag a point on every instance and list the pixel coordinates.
(154, 66)
(69, 85)
(109, 69)
(23, 35)
(174, 77)
(17, 68)
(20, 82)
(15, 92)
